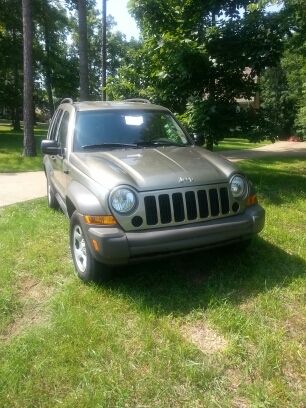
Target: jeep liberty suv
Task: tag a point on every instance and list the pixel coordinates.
(134, 186)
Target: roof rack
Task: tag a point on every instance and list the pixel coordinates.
(67, 100)
(137, 100)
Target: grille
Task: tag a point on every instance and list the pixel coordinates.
(187, 205)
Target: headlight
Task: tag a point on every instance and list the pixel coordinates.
(123, 200)
(239, 186)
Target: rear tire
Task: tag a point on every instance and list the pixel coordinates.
(52, 201)
(87, 268)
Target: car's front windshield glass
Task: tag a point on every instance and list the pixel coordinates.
(127, 128)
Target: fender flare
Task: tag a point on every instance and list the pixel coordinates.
(83, 200)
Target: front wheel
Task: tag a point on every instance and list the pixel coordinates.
(86, 266)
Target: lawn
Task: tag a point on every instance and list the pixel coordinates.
(238, 144)
(216, 329)
(11, 145)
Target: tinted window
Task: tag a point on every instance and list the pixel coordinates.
(63, 129)
(130, 127)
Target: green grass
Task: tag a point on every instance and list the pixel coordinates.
(238, 144)
(11, 146)
(66, 344)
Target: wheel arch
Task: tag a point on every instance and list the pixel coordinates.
(82, 200)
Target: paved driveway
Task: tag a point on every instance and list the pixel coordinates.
(18, 187)
(279, 149)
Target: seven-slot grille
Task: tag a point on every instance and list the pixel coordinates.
(188, 205)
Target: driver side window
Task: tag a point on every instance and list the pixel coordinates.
(63, 129)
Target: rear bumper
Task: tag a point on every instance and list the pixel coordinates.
(117, 247)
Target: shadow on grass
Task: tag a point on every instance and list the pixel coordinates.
(14, 142)
(281, 183)
(194, 281)
(178, 286)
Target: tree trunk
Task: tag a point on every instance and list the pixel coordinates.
(15, 115)
(29, 147)
(83, 52)
(48, 73)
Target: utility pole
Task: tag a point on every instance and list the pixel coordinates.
(104, 45)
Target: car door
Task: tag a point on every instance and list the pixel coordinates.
(60, 161)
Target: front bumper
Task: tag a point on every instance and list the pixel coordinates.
(117, 247)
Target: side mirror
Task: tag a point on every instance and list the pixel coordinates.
(50, 147)
(199, 139)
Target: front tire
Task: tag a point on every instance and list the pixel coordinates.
(86, 266)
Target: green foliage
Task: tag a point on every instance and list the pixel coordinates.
(10, 58)
(278, 103)
(118, 51)
(283, 87)
(194, 58)
(300, 121)
(55, 54)
(55, 65)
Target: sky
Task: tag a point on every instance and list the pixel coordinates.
(125, 23)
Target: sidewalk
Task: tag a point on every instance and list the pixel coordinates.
(18, 187)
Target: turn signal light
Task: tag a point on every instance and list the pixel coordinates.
(100, 219)
(95, 245)
(251, 200)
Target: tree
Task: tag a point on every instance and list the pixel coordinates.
(282, 87)
(29, 147)
(11, 60)
(195, 55)
(118, 50)
(56, 61)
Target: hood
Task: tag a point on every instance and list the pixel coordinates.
(154, 169)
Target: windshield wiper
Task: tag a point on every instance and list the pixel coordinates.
(160, 143)
(97, 146)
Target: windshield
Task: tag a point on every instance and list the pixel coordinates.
(127, 129)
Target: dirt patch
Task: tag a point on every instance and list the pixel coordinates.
(239, 402)
(204, 337)
(235, 378)
(33, 296)
(294, 379)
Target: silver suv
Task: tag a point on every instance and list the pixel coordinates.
(135, 186)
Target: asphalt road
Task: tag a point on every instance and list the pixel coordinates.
(18, 187)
